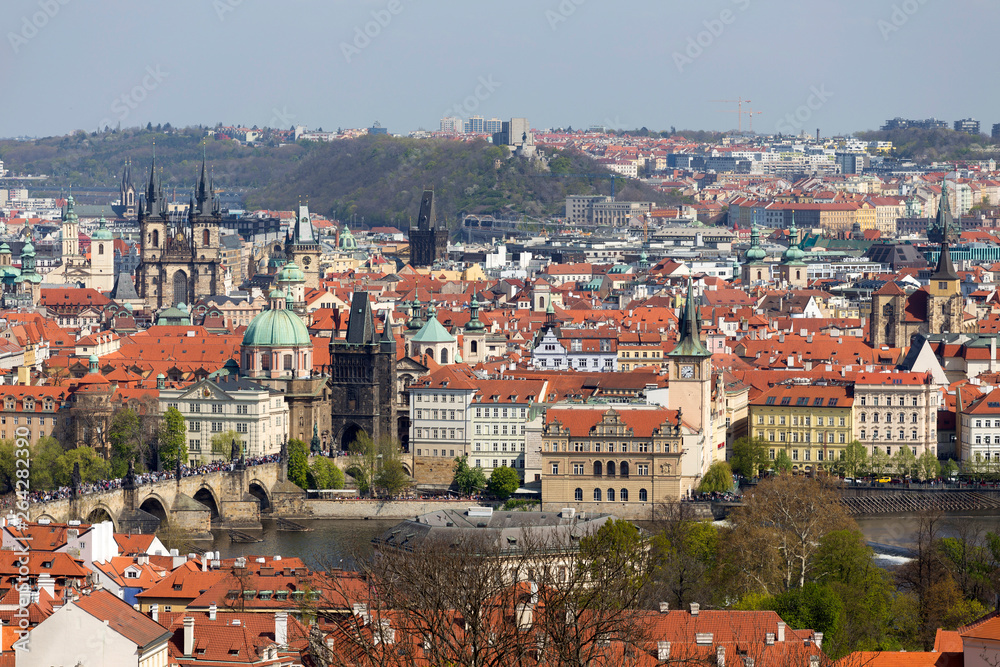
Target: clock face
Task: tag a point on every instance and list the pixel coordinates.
(687, 372)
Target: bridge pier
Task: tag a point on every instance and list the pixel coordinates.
(190, 517)
(237, 507)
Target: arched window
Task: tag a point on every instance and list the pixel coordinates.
(623, 495)
(204, 237)
(902, 417)
(913, 418)
(100, 248)
(288, 362)
(444, 356)
(578, 495)
(623, 469)
(597, 468)
(265, 361)
(759, 276)
(642, 495)
(156, 238)
(611, 468)
(597, 495)
(875, 417)
(611, 495)
(473, 346)
(798, 274)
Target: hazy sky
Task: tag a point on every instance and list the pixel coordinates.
(840, 65)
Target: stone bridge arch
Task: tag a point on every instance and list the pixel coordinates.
(261, 492)
(156, 505)
(208, 497)
(101, 512)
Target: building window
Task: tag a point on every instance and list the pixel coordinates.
(623, 495)
(597, 495)
(578, 495)
(611, 495)
(577, 468)
(555, 468)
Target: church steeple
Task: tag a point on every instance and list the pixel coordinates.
(945, 279)
(689, 344)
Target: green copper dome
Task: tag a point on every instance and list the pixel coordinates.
(102, 233)
(277, 328)
(794, 254)
(755, 253)
(291, 273)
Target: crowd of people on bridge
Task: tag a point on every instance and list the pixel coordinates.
(63, 492)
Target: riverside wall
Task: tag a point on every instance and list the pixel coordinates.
(377, 509)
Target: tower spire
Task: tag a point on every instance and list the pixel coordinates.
(689, 344)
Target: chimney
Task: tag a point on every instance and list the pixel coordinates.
(781, 631)
(694, 608)
(769, 639)
(204, 562)
(664, 607)
(281, 628)
(154, 612)
(212, 610)
(720, 656)
(662, 651)
(814, 661)
(818, 638)
(188, 636)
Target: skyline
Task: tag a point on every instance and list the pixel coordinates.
(407, 64)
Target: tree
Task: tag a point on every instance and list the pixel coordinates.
(298, 463)
(504, 481)
(928, 466)
(855, 460)
(376, 465)
(782, 463)
(172, 439)
(684, 552)
(222, 443)
(93, 468)
(879, 462)
(125, 437)
(904, 462)
(392, 478)
(749, 457)
(325, 474)
(718, 479)
(949, 469)
(469, 480)
(778, 529)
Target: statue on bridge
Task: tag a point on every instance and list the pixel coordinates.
(76, 480)
(314, 445)
(177, 468)
(128, 483)
(237, 457)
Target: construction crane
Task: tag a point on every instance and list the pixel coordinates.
(751, 113)
(739, 101)
(612, 175)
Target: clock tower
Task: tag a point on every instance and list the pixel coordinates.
(690, 367)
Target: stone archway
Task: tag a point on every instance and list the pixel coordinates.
(100, 514)
(206, 497)
(349, 435)
(259, 491)
(153, 505)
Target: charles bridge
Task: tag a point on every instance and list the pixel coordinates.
(192, 505)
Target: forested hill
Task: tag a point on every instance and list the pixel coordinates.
(938, 144)
(377, 178)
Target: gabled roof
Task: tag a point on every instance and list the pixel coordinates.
(123, 619)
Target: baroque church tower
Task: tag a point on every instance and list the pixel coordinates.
(180, 258)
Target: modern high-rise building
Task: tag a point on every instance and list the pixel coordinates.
(967, 125)
(852, 163)
(475, 125)
(492, 125)
(453, 125)
(996, 133)
(515, 132)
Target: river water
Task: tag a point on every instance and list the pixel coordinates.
(341, 542)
